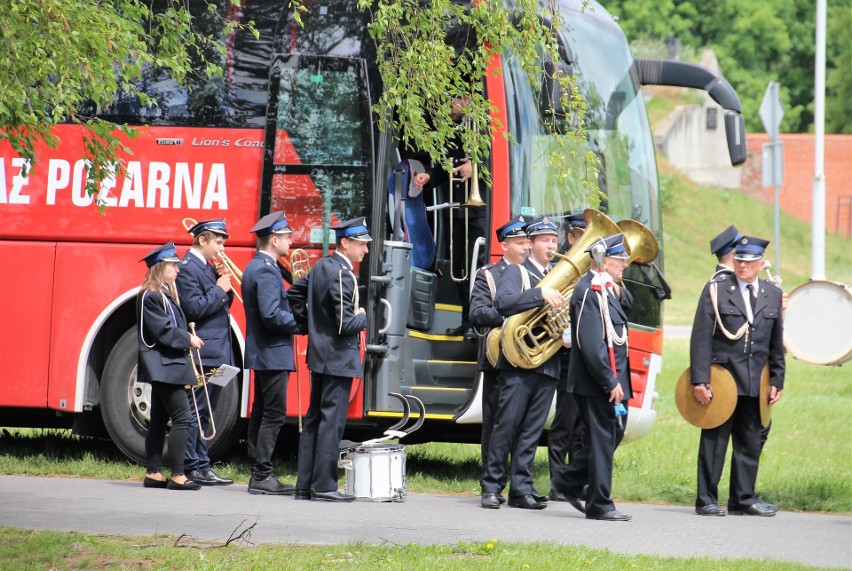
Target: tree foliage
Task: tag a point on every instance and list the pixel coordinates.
(758, 42)
(62, 60)
(432, 52)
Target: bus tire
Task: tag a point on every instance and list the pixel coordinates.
(125, 404)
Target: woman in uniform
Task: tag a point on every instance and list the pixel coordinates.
(164, 345)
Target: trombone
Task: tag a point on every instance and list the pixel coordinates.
(473, 200)
(223, 263)
(200, 381)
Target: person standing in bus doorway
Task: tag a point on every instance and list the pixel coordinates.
(329, 297)
(269, 349)
(738, 324)
(469, 222)
(164, 346)
(525, 394)
(599, 377)
(206, 295)
(484, 317)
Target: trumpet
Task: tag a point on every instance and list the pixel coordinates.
(774, 278)
(222, 263)
(300, 264)
(200, 381)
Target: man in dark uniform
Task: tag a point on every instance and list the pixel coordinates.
(738, 325)
(484, 316)
(599, 377)
(206, 297)
(269, 349)
(567, 433)
(525, 394)
(469, 223)
(329, 296)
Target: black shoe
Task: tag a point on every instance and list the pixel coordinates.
(302, 494)
(710, 509)
(560, 496)
(490, 500)
(765, 503)
(455, 331)
(333, 496)
(270, 486)
(526, 502)
(199, 478)
(152, 483)
(540, 498)
(614, 515)
(761, 510)
(217, 479)
(188, 485)
(470, 335)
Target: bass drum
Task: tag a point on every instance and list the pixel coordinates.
(818, 323)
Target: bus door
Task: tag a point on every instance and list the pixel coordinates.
(317, 163)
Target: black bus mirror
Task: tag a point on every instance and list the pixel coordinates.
(735, 132)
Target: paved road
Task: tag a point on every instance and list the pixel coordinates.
(122, 507)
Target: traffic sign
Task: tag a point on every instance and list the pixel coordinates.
(771, 110)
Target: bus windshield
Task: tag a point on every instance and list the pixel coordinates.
(617, 132)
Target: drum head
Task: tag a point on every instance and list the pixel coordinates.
(765, 409)
(818, 323)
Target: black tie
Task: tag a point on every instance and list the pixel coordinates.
(752, 297)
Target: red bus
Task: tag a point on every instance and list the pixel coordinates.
(290, 127)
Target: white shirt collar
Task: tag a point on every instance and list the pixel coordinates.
(198, 255)
(345, 259)
(541, 268)
(264, 252)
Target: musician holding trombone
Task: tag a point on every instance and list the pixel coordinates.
(206, 295)
(164, 363)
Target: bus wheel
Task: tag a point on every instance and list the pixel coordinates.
(126, 404)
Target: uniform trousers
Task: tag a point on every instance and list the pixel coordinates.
(322, 431)
(490, 396)
(197, 457)
(524, 401)
(167, 401)
(593, 463)
(567, 432)
(744, 430)
(269, 408)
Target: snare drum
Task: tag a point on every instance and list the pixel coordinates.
(818, 323)
(375, 472)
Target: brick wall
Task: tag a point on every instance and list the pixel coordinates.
(797, 192)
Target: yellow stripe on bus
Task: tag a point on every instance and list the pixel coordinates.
(413, 415)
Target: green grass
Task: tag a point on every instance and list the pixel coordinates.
(694, 214)
(25, 550)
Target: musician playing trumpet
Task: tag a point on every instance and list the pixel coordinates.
(206, 295)
(164, 363)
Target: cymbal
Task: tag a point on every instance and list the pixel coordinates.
(721, 406)
(765, 409)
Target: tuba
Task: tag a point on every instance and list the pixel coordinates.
(532, 337)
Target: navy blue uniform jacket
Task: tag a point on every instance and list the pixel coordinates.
(589, 372)
(746, 356)
(270, 324)
(163, 342)
(326, 296)
(512, 299)
(206, 304)
(483, 315)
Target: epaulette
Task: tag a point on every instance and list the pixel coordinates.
(720, 276)
(184, 261)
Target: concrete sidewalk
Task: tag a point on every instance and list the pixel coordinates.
(126, 508)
